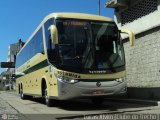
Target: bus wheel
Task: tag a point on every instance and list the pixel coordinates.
(22, 96)
(97, 101)
(47, 99)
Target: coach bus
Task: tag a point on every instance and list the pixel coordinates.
(73, 55)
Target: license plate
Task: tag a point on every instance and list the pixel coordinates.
(97, 92)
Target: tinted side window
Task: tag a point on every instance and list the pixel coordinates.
(34, 46)
(37, 45)
(47, 32)
(51, 51)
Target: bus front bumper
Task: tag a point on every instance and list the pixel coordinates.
(90, 89)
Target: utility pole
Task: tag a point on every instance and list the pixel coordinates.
(99, 7)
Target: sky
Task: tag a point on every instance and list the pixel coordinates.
(19, 18)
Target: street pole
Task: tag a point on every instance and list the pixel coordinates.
(99, 7)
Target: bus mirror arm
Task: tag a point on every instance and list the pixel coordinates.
(131, 36)
(42, 52)
(54, 34)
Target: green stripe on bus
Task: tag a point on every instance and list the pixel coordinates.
(35, 67)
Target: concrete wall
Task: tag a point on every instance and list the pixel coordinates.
(143, 60)
(143, 65)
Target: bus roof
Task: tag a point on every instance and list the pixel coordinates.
(78, 16)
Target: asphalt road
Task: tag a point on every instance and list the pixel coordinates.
(11, 104)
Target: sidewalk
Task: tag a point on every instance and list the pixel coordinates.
(135, 101)
(6, 108)
(9, 112)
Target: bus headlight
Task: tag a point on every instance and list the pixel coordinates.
(73, 81)
(120, 79)
(66, 80)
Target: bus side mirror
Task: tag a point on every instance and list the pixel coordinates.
(131, 36)
(54, 34)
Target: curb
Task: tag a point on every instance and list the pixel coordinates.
(135, 101)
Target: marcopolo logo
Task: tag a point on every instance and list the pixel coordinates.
(98, 72)
(98, 84)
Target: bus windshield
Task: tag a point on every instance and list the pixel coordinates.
(89, 45)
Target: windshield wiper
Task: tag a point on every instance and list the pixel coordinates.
(69, 45)
(76, 57)
(86, 58)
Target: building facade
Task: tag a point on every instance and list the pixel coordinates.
(13, 49)
(142, 60)
(7, 79)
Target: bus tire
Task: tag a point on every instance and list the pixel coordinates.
(22, 96)
(97, 101)
(48, 101)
